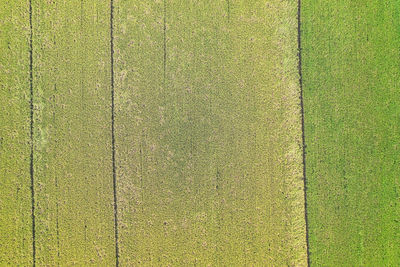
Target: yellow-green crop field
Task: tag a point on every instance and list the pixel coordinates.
(199, 133)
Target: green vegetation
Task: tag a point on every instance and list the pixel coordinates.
(208, 153)
(15, 194)
(351, 80)
(206, 133)
(72, 133)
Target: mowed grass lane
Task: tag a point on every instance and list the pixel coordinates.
(352, 106)
(15, 149)
(72, 133)
(208, 133)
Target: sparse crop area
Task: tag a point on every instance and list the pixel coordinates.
(210, 133)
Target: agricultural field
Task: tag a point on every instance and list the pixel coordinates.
(72, 158)
(351, 80)
(208, 144)
(210, 133)
(15, 182)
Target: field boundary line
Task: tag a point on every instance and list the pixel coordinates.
(228, 9)
(113, 133)
(302, 126)
(31, 169)
(164, 41)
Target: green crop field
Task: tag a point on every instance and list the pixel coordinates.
(351, 79)
(15, 194)
(72, 134)
(199, 132)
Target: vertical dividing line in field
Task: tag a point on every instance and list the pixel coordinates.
(228, 9)
(302, 125)
(113, 133)
(31, 135)
(165, 42)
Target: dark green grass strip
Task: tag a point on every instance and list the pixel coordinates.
(302, 125)
(113, 133)
(31, 134)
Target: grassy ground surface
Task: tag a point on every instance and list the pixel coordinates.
(72, 133)
(15, 196)
(208, 135)
(352, 103)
